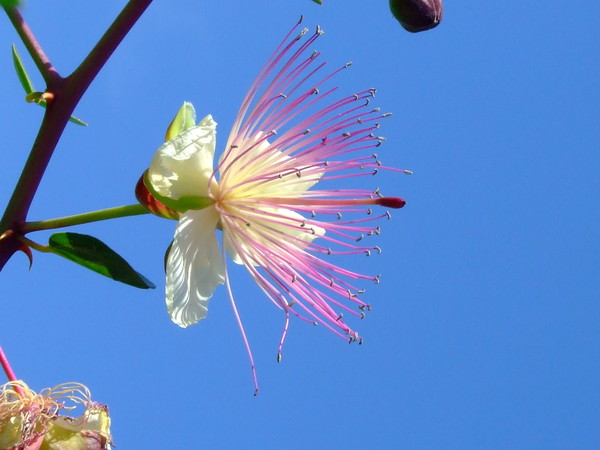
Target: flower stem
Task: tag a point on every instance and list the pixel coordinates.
(78, 219)
(9, 372)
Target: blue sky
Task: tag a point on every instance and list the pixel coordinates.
(484, 329)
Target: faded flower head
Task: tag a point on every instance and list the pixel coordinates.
(274, 193)
(32, 421)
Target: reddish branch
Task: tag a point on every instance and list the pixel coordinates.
(67, 92)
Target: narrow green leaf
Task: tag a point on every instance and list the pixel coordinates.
(21, 72)
(32, 96)
(97, 256)
(77, 121)
(318, 1)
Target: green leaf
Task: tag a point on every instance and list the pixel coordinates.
(10, 3)
(318, 1)
(97, 256)
(21, 72)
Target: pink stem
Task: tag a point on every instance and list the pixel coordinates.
(9, 372)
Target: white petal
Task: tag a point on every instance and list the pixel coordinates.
(182, 166)
(194, 267)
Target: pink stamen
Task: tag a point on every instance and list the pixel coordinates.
(390, 202)
(283, 335)
(287, 137)
(241, 326)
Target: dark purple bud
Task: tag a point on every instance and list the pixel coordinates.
(417, 15)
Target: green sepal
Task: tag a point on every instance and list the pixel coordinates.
(318, 1)
(10, 3)
(183, 120)
(95, 255)
(30, 95)
(182, 204)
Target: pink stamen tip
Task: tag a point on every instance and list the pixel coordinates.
(391, 202)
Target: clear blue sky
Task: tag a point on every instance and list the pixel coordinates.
(484, 331)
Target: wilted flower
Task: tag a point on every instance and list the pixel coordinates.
(290, 134)
(31, 421)
(417, 15)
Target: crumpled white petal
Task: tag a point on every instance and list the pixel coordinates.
(195, 267)
(182, 166)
